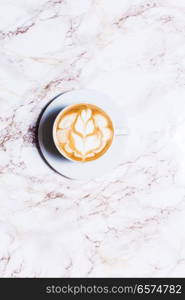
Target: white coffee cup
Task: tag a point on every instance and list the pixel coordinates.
(67, 111)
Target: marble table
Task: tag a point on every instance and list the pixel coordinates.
(131, 221)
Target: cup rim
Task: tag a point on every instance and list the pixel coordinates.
(54, 130)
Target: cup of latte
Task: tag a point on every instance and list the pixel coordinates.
(83, 132)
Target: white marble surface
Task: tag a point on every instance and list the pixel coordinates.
(130, 222)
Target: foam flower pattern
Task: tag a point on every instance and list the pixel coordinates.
(84, 133)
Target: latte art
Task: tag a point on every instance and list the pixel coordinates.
(83, 132)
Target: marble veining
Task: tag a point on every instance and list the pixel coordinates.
(129, 222)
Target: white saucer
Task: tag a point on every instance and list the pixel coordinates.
(77, 170)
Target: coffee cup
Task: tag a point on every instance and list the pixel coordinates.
(84, 132)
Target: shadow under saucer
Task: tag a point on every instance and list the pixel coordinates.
(45, 133)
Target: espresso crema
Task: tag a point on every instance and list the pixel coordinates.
(83, 132)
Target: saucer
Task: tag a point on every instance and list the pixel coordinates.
(79, 170)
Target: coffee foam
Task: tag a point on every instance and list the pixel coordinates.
(84, 132)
